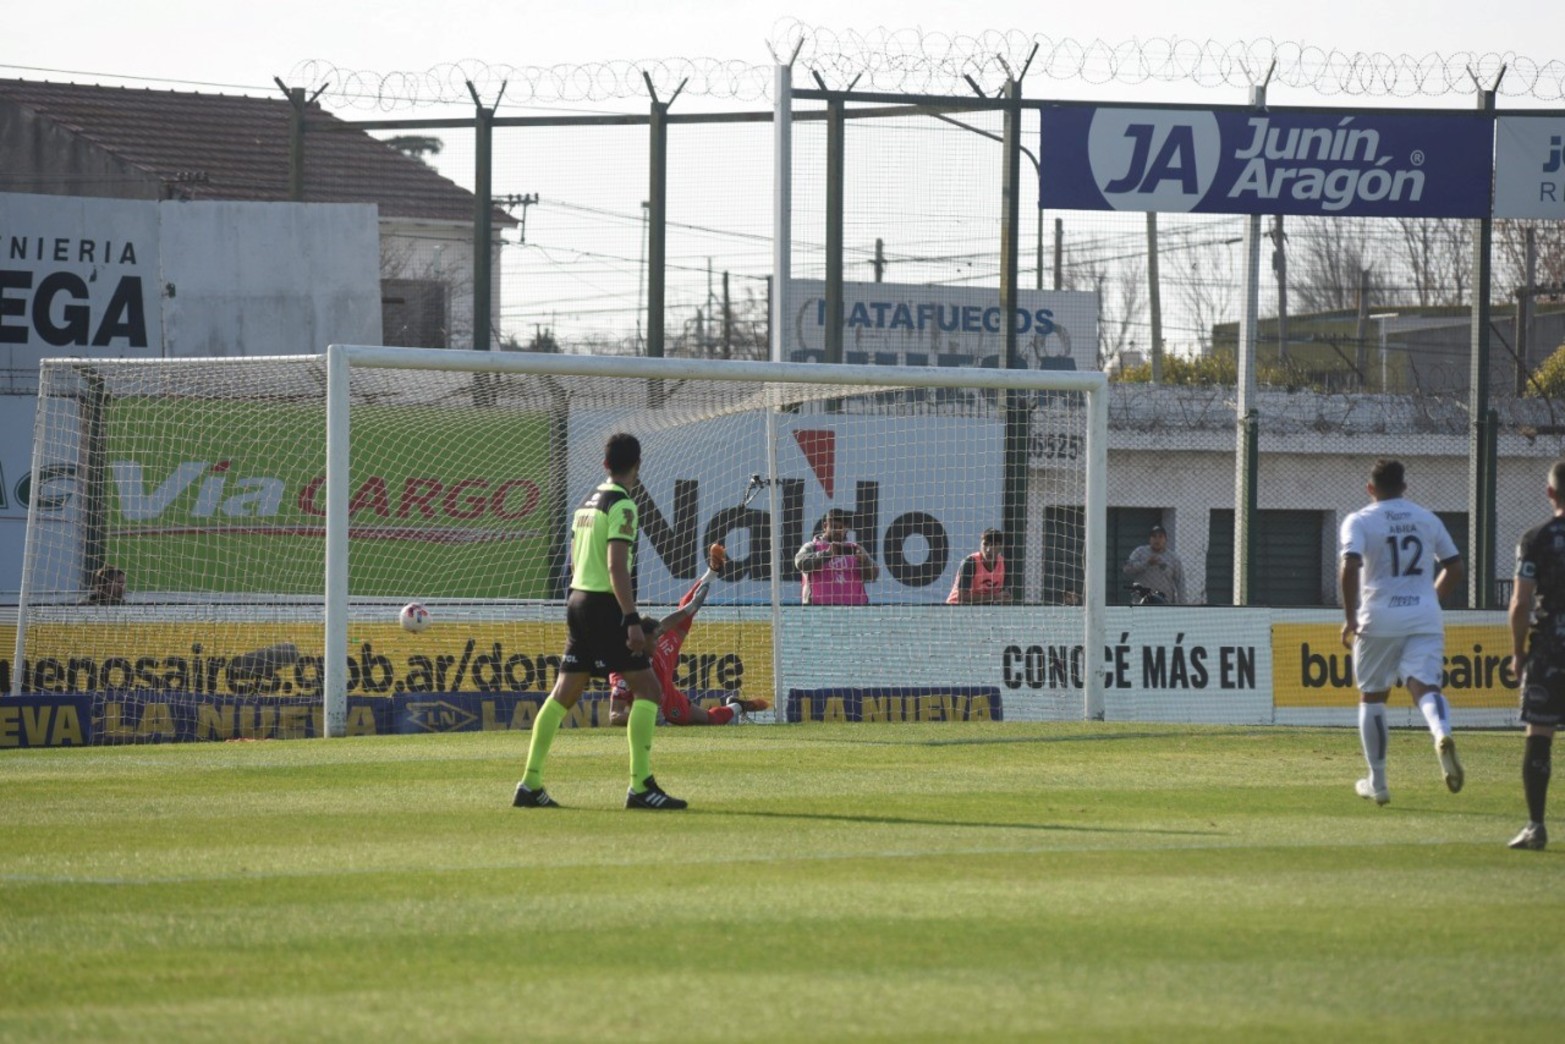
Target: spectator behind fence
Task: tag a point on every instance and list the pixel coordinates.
(834, 568)
(107, 586)
(981, 578)
(1155, 565)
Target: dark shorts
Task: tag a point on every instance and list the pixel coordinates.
(1543, 684)
(596, 644)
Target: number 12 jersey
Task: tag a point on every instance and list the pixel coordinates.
(1401, 546)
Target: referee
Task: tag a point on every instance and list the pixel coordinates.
(605, 632)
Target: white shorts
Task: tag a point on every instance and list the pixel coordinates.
(1382, 662)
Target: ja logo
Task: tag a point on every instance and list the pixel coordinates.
(1154, 159)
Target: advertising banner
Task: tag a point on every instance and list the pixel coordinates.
(1529, 167)
(503, 712)
(920, 491)
(203, 658)
(230, 498)
(16, 464)
(896, 324)
(78, 277)
(1313, 669)
(1200, 665)
(46, 721)
(1311, 163)
(969, 703)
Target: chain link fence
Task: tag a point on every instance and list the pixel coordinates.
(649, 230)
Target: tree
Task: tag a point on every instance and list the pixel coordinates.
(1510, 248)
(1439, 255)
(1332, 259)
(416, 145)
(1548, 380)
(1120, 290)
(1207, 289)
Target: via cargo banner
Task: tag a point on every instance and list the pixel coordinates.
(443, 502)
(1310, 163)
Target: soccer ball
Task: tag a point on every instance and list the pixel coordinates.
(414, 617)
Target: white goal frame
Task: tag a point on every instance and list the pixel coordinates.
(341, 359)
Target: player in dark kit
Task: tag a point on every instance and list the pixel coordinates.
(1538, 610)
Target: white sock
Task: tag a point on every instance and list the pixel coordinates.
(1436, 713)
(1372, 737)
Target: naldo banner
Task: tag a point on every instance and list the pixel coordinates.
(1310, 163)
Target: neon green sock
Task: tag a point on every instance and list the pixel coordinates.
(643, 720)
(545, 725)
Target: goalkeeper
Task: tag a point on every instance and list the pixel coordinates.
(667, 636)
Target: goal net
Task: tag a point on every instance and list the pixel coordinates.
(270, 517)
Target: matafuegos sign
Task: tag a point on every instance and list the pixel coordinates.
(1314, 162)
(903, 324)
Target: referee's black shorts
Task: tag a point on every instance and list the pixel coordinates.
(596, 644)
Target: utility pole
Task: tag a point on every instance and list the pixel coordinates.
(1154, 298)
(1361, 330)
(1524, 303)
(880, 259)
(1059, 253)
(728, 320)
(1280, 266)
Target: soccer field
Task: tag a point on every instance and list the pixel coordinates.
(912, 882)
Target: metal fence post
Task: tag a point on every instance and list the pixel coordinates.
(1481, 442)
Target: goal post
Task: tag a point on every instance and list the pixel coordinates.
(875, 393)
(271, 517)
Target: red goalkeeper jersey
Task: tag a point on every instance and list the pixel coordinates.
(665, 658)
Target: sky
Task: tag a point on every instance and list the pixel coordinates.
(246, 45)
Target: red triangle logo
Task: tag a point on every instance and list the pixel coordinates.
(820, 452)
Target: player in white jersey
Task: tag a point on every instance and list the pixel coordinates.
(1398, 562)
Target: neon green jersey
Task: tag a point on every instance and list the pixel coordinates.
(608, 514)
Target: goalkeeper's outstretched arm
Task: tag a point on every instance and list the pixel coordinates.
(688, 608)
(695, 598)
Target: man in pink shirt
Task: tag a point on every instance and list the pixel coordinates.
(834, 568)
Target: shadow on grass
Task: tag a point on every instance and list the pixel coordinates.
(839, 817)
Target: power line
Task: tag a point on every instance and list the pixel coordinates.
(141, 79)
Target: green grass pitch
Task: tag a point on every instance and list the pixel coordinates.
(899, 883)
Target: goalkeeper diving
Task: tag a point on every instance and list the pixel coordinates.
(667, 636)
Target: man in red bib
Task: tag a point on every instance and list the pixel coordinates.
(981, 580)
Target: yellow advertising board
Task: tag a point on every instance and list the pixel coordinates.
(1311, 668)
(284, 659)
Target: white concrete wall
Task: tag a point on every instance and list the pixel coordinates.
(247, 279)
